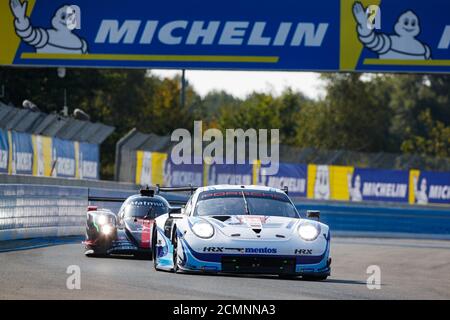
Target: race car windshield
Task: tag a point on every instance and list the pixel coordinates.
(237, 202)
(145, 209)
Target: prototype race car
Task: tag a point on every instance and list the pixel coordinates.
(242, 229)
(129, 232)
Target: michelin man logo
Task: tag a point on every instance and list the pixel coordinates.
(402, 45)
(58, 39)
(420, 193)
(355, 188)
(322, 183)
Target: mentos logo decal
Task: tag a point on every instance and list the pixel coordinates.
(260, 250)
(240, 250)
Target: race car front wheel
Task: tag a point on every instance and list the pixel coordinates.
(154, 253)
(175, 250)
(92, 254)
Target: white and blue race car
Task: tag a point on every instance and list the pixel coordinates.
(242, 229)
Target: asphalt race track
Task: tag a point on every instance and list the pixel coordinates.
(410, 269)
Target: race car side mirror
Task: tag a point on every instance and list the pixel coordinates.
(313, 214)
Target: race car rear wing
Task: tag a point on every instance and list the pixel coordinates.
(190, 189)
(173, 199)
(106, 199)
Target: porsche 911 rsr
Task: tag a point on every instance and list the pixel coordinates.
(129, 232)
(242, 229)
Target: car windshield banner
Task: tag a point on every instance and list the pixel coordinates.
(327, 35)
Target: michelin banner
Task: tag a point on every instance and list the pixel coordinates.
(23, 153)
(88, 160)
(4, 151)
(378, 185)
(42, 156)
(230, 174)
(64, 157)
(429, 187)
(293, 176)
(328, 182)
(319, 182)
(327, 35)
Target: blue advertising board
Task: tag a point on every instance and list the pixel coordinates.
(230, 174)
(327, 35)
(178, 175)
(22, 153)
(4, 151)
(428, 187)
(379, 185)
(292, 176)
(64, 155)
(88, 160)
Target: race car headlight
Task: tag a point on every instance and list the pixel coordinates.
(308, 231)
(102, 219)
(203, 229)
(107, 229)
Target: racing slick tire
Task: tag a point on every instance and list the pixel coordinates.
(154, 253)
(92, 254)
(288, 276)
(175, 249)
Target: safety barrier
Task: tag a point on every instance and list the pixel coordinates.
(29, 211)
(382, 220)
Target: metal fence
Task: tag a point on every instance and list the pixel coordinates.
(380, 160)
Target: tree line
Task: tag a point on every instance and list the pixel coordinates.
(359, 112)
